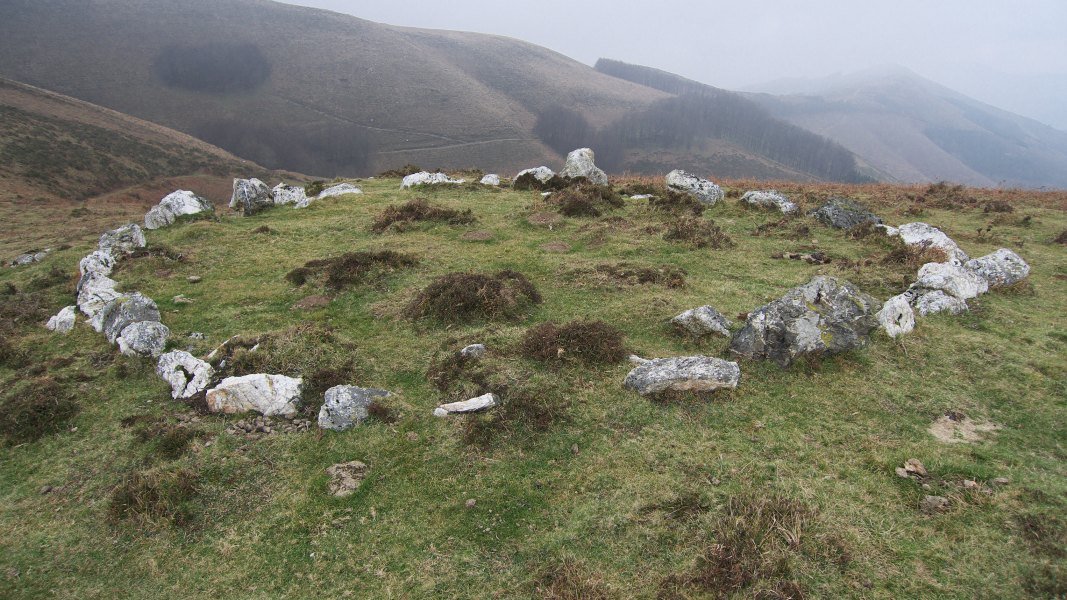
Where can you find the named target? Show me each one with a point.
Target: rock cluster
(701, 189)
(946, 287)
(771, 199)
(174, 205)
(580, 164)
(256, 427)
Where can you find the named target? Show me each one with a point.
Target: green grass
(618, 496)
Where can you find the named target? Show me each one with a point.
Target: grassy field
(783, 488)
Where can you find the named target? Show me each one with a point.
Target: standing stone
(143, 338)
(897, 317)
(682, 374)
(174, 205)
(123, 240)
(186, 374)
(702, 321)
(347, 406)
(250, 196)
(285, 194)
(701, 189)
(99, 263)
(842, 213)
(580, 164)
(269, 395)
(63, 322)
(769, 199)
(823, 315)
(467, 406)
(1000, 268)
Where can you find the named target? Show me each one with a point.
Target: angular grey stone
(683, 374)
(250, 196)
(953, 279)
(99, 263)
(427, 178)
(703, 321)
(269, 395)
(490, 179)
(843, 213)
(937, 301)
(285, 194)
(186, 374)
(701, 189)
(467, 406)
(63, 321)
(921, 234)
(174, 205)
(95, 293)
(347, 406)
(580, 163)
(823, 315)
(1000, 268)
(897, 317)
(143, 338)
(474, 351)
(542, 174)
(126, 310)
(123, 240)
(769, 199)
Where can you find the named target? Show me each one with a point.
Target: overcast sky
(1009, 53)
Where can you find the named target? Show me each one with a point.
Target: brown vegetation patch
(625, 273)
(589, 342)
(1061, 238)
(676, 203)
(545, 219)
(587, 200)
(958, 428)
(312, 303)
(477, 236)
(404, 216)
(153, 496)
(556, 247)
(35, 408)
(166, 439)
(913, 256)
(697, 232)
(402, 172)
(570, 580)
(352, 269)
(525, 410)
(465, 296)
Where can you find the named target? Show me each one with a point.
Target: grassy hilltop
(782, 488)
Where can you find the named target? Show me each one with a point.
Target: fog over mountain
(1012, 55)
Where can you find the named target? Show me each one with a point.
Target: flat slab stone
(683, 374)
(467, 406)
(269, 395)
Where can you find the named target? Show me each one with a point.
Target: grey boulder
(542, 174)
(427, 178)
(94, 294)
(285, 194)
(702, 321)
(897, 317)
(474, 351)
(682, 374)
(771, 199)
(143, 338)
(250, 196)
(333, 191)
(63, 321)
(269, 395)
(1000, 268)
(99, 263)
(174, 205)
(123, 240)
(126, 310)
(580, 163)
(347, 406)
(467, 406)
(186, 374)
(842, 213)
(937, 301)
(951, 278)
(921, 234)
(701, 189)
(490, 179)
(824, 315)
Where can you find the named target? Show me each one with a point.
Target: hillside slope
(330, 94)
(915, 130)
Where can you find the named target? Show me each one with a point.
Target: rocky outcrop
(467, 406)
(63, 321)
(842, 213)
(174, 205)
(250, 196)
(186, 374)
(144, 338)
(580, 163)
(824, 315)
(921, 234)
(701, 189)
(702, 321)
(490, 179)
(771, 199)
(28, 258)
(269, 395)
(897, 317)
(999, 269)
(542, 174)
(427, 178)
(123, 240)
(285, 194)
(683, 374)
(347, 406)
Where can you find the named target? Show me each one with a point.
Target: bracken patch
(676, 203)
(404, 216)
(589, 342)
(697, 232)
(154, 496)
(352, 269)
(459, 297)
(35, 408)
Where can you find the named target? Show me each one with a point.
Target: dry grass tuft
(457, 297)
(697, 232)
(35, 408)
(352, 269)
(589, 342)
(150, 497)
(405, 216)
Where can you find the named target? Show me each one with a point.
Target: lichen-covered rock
(542, 174)
(123, 240)
(772, 199)
(842, 213)
(953, 279)
(824, 315)
(95, 293)
(99, 263)
(467, 406)
(701, 189)
(28, 258)
(937, 301)
(490, 179)
(63, 321)
(702, 321)
(427, 178)
(347, 406)
(921, 234)
(126, 310)
(333, 191)
(143, 338)
(250, 196)
(285, 194)
(186, 374)
(897, 317)
(174, 205)
(474, 351)
(683, 374)
(269, 395)
(580, 163)
(1000, 268)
